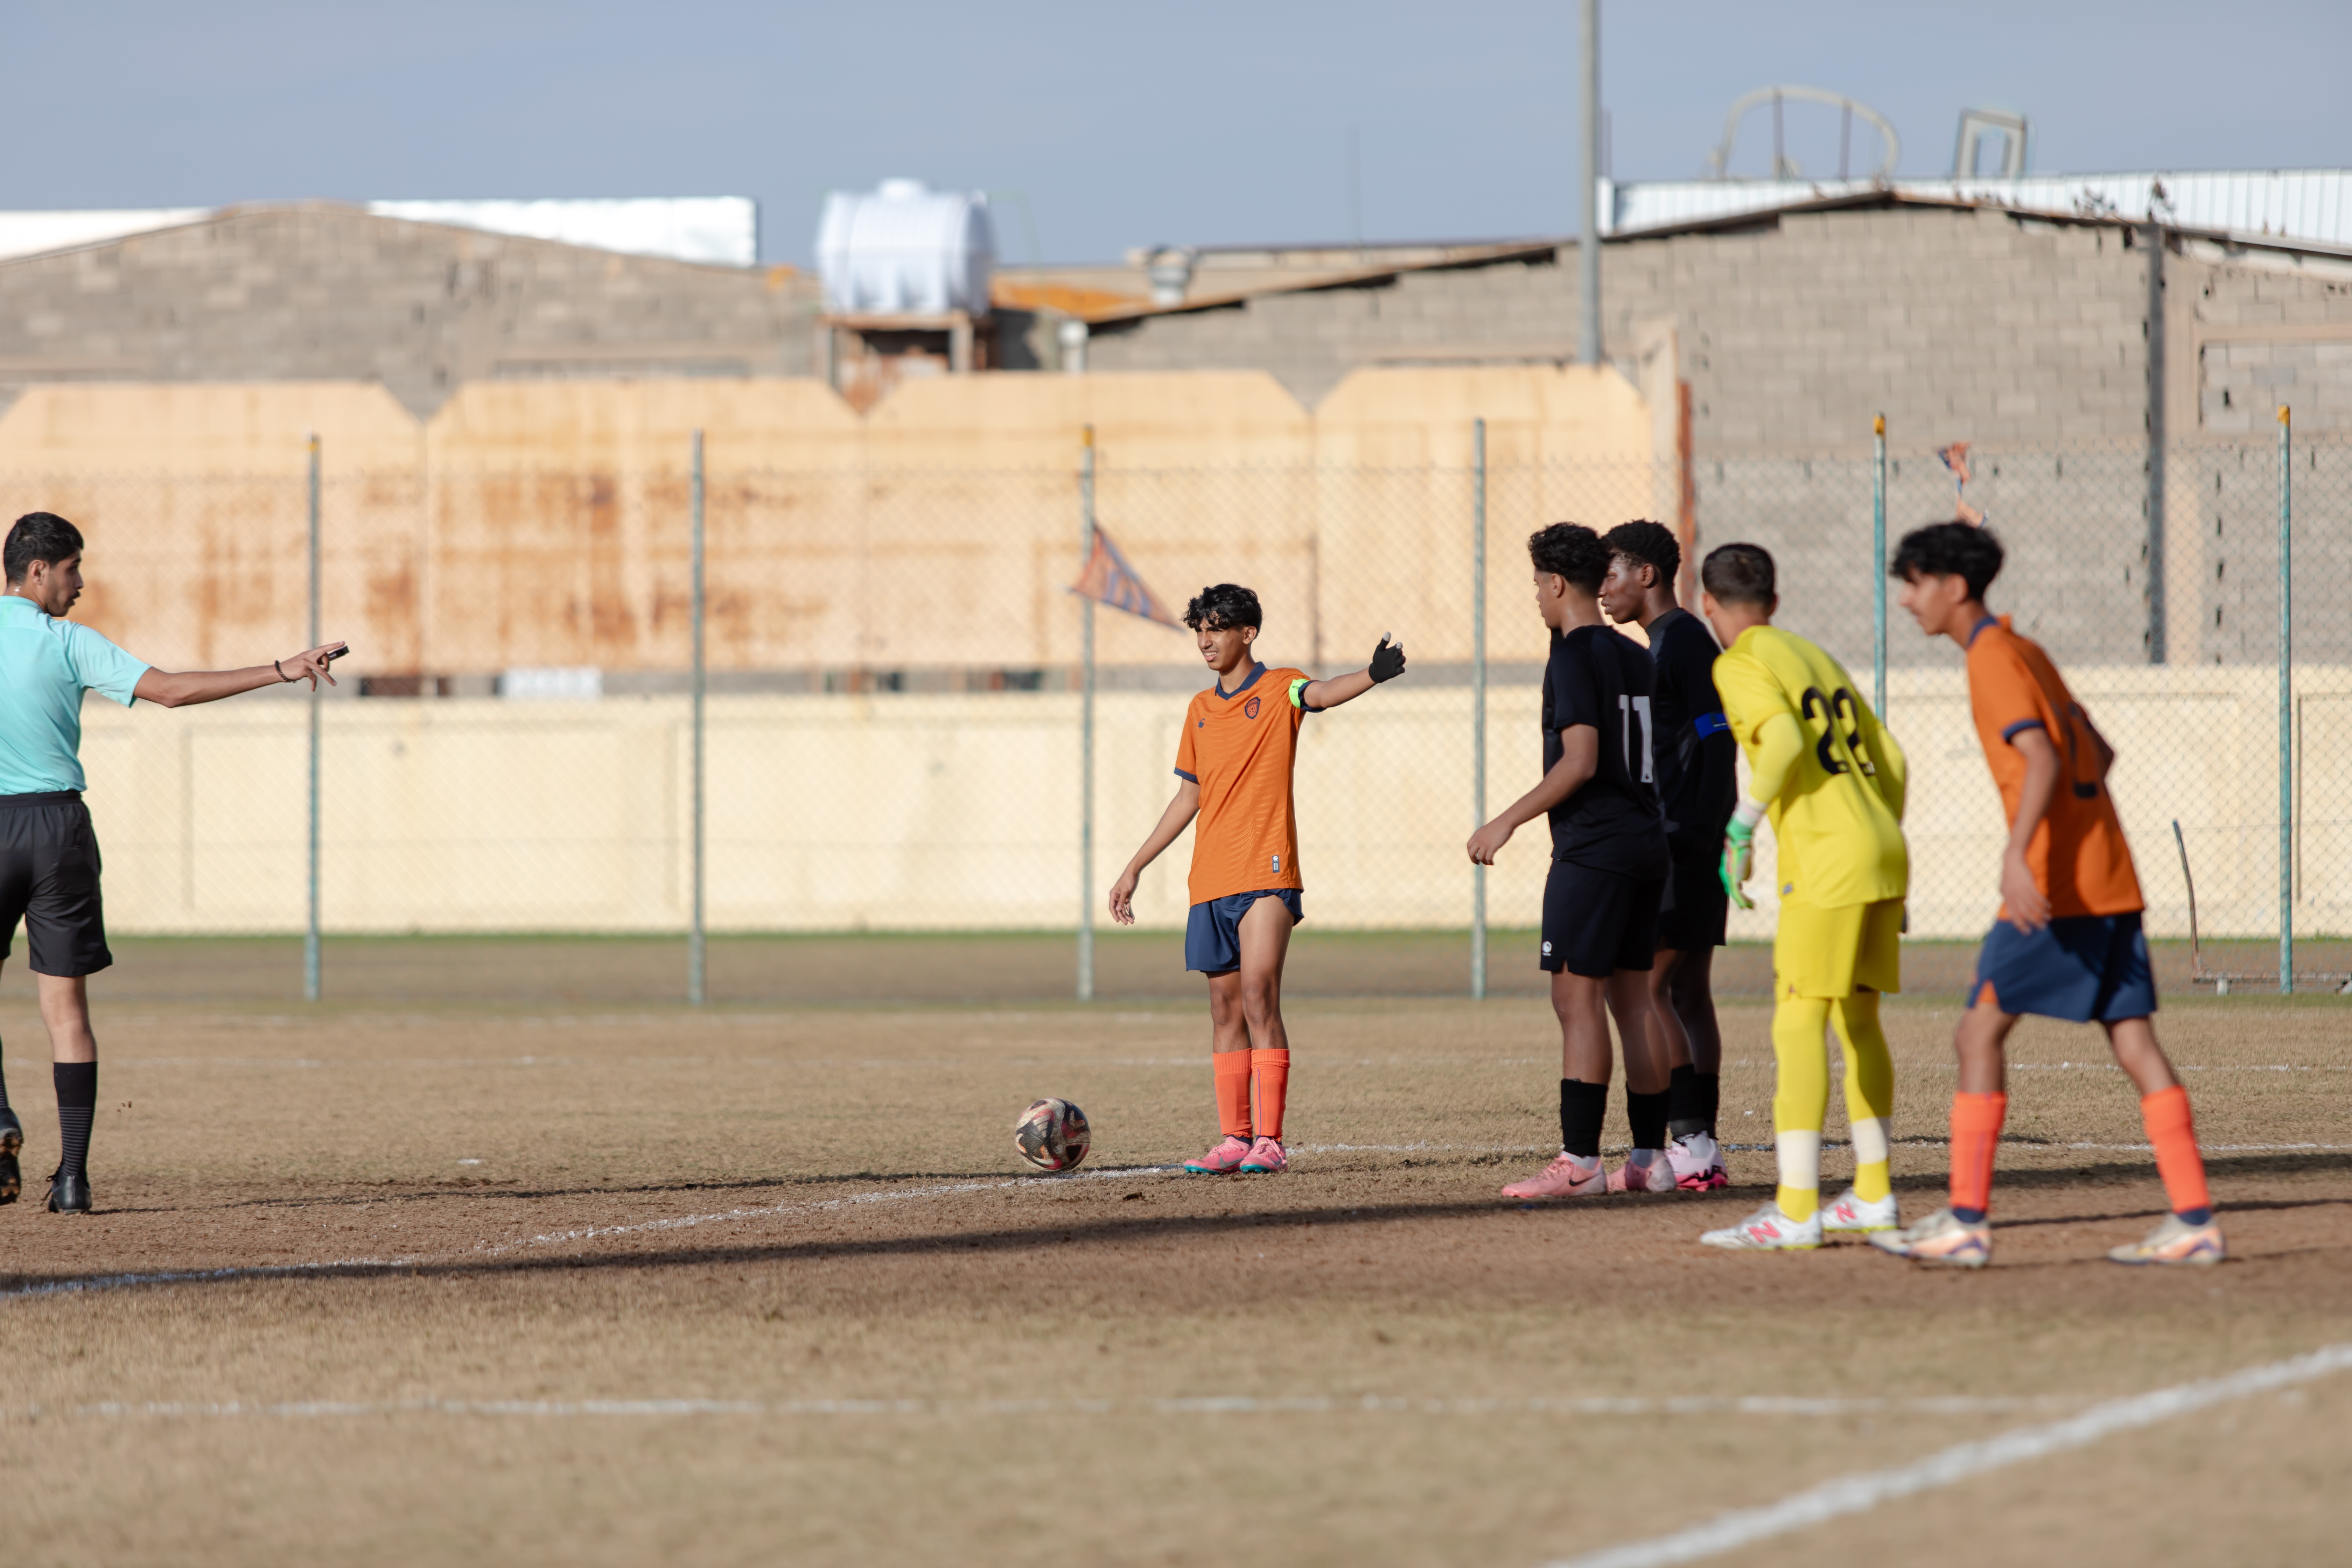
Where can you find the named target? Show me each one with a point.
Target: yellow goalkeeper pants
(1801, 1100)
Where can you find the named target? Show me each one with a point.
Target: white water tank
(906, 251)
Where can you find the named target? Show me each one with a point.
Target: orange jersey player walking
(2067, 942)
(1235, 760)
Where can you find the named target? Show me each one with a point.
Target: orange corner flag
(1109, 580)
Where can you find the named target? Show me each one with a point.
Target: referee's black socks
(77, 1104)
(1581, 1108)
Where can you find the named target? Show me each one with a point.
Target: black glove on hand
(1388, 660)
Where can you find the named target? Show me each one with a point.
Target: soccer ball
(1052, 1135)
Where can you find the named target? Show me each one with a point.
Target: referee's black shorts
(48, 879)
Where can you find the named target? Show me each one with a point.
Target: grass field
(587, 1281)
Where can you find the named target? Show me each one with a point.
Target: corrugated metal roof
(2313, 204)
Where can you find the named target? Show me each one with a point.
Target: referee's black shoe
(12, 1140)
(69, 1194)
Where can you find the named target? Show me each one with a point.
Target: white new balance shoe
(1769, 1230)
(1851, 1215)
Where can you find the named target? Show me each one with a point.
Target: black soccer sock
(1647, 1112)
(1684, 1112)
(1710, 1095)
(4, 1090)
(1583, 1107)
(77, 1104)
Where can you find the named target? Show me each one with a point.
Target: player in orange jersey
(2067, 942)
(1240, 745)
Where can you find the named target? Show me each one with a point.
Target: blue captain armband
(1298, 695)
(1710, 725)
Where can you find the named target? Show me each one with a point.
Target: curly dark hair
(1949, 549)
(1222, 605)
(1740, 575)
(1647, 544)
(1573, 552)
(41, 536)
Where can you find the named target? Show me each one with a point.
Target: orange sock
(2170, 1128)
(1234, 1092)
(1976, 1134)
(1273, 1069)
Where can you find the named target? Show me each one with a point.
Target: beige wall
(959, 812)
(546, 523)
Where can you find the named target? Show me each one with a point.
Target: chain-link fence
(893, 724)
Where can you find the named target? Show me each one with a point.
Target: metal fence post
(1478, 699)
(1878, 567)
(695, 955)
(1086, 726)
(310, 918)
(2287, 700)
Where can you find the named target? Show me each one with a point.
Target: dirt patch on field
(605, 1287)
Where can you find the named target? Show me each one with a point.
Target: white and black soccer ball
(1052, 1135)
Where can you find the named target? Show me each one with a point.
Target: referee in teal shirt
(48, 854)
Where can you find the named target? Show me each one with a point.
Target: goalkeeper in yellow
(1831, 781)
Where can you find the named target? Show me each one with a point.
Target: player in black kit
(1608, 874)
(1695, 756)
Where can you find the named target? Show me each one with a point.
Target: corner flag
(1109, 580)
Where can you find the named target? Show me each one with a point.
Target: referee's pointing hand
(311, 664)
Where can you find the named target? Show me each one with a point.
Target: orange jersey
(1240, 748)
(2079, 858)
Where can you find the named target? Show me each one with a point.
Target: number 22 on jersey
(1838, 743)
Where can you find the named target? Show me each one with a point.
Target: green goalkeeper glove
(1740, 851)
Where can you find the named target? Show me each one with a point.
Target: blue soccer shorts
(2082, 968)
(1212, 943)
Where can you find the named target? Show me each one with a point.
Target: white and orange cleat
(2175, 1241)
(1697, 1163)
(1652, 1175)
(1942, 1238)
(1225, 1158)
(1265, 1157)
(1769, 1230)
(1566, 1177)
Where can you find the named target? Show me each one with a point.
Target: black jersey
(1695, 750)
(1611, 823)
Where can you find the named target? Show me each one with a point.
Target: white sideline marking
(1211, 1404)
(683, 1221)
(1862, 1493)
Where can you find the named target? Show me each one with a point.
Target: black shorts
(1695, 916)
(1595, 922)
(48, 879)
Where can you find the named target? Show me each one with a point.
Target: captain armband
(1710, 725)
(1298, 695)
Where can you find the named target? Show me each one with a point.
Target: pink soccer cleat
(1225, 1158)
(1697, 1163)
(1655, 1176)
(1566, 1177)
(1265, 1158)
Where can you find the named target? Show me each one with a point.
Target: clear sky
(1120, 125)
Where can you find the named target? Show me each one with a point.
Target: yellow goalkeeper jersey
(1838, 822)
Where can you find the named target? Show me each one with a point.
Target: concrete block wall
(333, 293)
(1957, 324)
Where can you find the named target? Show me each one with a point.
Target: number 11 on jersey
(1629, 709)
